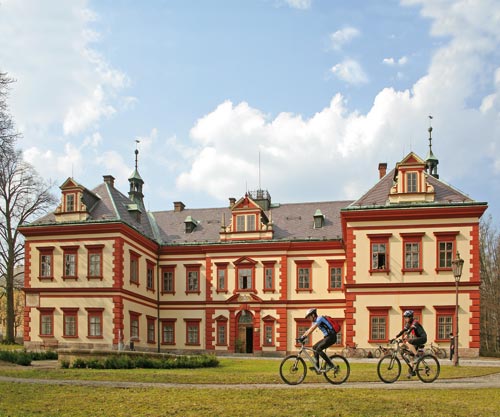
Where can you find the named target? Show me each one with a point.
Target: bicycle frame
(309, 354)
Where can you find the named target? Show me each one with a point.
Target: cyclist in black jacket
(416, 334)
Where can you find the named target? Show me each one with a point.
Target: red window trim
(302, 323)
(221, 266)
(135, 315)
(46, 311)
(70, 311)
(196, 322)
(269, 321)
(378, 311)
(65, 208)
(416, 237)
(448, 310)
(380, 238)
(95, 311)
(150, 265)
(137, 257)
(171, 322)
(94, 249)
(219, 321)
(168, 268)
(335, 264)
(304, 264)
(150, 319)
(245, 265)
(193, 268)
(448, 236)
(46, 250)
(70, 250)
(269, 265)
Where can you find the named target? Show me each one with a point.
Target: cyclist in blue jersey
(330, 336)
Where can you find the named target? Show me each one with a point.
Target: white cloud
(350, 71)
(343, 36)
(64, 83)
(339, 150)
(391, 61)
(299, 4)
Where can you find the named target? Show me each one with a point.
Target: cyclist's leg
(322, 345)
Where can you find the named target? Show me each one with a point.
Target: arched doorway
(244, 342)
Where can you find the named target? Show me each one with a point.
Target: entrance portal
(244, 344)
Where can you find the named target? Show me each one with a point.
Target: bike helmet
(408, 313)
(310, 312)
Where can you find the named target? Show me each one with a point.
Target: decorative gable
(72, 206)
(410, 182)
(248, 222)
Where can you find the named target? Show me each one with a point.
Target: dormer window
(411, 182)
(190, 224)
(319, 219)
(70, 202)
(245, 223)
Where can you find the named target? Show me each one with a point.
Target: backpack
(334, 323)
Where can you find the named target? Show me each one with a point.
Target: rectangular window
(304, 275)
(94, 261)
(335, 278)
(70, 202)
(412, 255)
(134, 325)
(150, 276)
(240, 223)
(70, 322)
(411, 182)
(269, 278)
(244, 279)
(445, 254)
(94, 316)
(445, 248)
(251, 222)
(47, 322)
(445, 321)
(134, 268)
(379, 319)
(46, 261)
(221, 277)
(70, 261)
(221, 333)
(168, 332)
(193, 279)
(168, 280)
(151, 329)
(246, 223)
(192, 332)
(379, 252)
(268, 332)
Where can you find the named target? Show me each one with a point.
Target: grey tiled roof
(379, 194)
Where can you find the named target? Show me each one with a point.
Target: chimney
(382, 169)
(178, 206)
(232, 200)
(109, 179)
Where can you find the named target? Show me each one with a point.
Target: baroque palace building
(101, 272)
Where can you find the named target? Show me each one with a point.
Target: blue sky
(323, 90)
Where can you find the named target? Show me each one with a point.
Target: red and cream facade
(101, 272)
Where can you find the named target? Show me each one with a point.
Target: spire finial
(136, 152)
(430, 132)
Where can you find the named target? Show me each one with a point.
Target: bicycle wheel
(389, 369)
(346, 353)
(428, 368)
(361, 353)
(293, 370)
(340, 372)
(377, 353)
(442, 354)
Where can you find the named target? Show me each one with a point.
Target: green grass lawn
(311, 399)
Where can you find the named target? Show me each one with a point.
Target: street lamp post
(457, 265)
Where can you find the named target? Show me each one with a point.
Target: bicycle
(354, 351)
(293, 368)
(437, 351)
(427, 366)
(381, 351)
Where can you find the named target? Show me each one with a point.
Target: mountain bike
(437, 351)
(354, 352)
(381, 351)
(426, 366)
(293, 368)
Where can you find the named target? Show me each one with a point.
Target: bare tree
(23, 195)
(490, 286)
